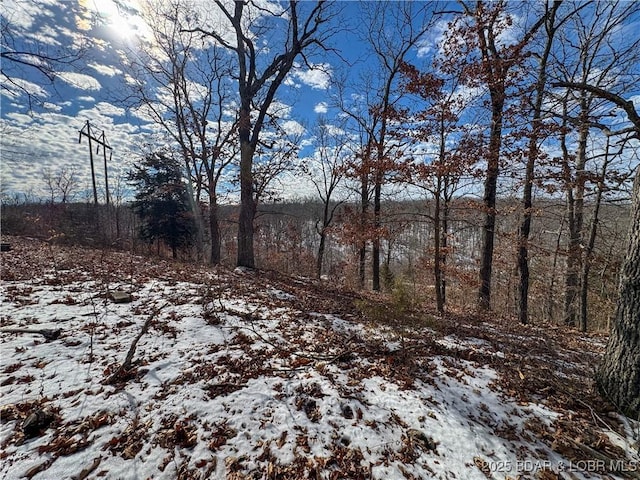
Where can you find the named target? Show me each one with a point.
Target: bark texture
(619, 375)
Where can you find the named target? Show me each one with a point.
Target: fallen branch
(87, 471)
(48, 333)
(126, 365)
(597, 418)
(41, 467)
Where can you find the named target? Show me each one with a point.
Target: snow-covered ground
(239, 376)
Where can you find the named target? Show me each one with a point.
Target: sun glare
(119, 17)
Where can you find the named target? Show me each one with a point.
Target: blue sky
(43, 136)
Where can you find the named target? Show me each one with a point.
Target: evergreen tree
(162, 201)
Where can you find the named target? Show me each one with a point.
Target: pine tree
(162, 202)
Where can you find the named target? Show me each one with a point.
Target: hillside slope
(239, 374)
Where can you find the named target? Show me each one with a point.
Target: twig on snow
(126, 365)
(48, 333)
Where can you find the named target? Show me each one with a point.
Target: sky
(40, 133)
(43, 135)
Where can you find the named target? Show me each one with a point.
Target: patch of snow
(250, 391)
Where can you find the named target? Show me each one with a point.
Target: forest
(469, 128)
(288, 241)
(465, 160)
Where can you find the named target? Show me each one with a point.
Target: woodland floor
(250, 374)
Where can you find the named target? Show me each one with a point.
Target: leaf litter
(211, 373)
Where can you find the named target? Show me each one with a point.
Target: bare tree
(274, 156)
(618, 376)
(61, 184)
(361, 128)
(599, 56)
(326, 169)
(183, 84)
(603, 184)
(293, 29)
(373, 104)
(391, 34)
(490, 63)
(533, 149)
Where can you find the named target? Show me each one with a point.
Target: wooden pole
(101, 141)
(104, 153)
(93, 171)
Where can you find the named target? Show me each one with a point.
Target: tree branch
(626, 105)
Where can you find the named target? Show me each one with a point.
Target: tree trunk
(320, 257)
(570, 277)
(588, 250)
(575, 211)
(527, 196)
(375, 251)
(247, 206)
(489, 200)
(327, 217)
(196, 211)
(586, 268)
(571, 273)
(444, 245)
(527, 206)
(618, 377)
(437, 252)
(214, 227)
(364, 205)
(550, 302)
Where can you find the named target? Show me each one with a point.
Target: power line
(101, 141)
(15, 152)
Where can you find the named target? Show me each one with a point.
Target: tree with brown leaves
(476, 45)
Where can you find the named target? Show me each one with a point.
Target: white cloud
(105, 69)
(18, 87)
(52, 106)
(293, 128)
(102, 114)
(465, 94)
(197, 91)
(80, 80)
(19, 13)
(280, 109)
(321, 107)
(132, 80)
(46, 36)
(432, 39)
(19, 119)
(335, 131)
(110, 110)
(317, 77)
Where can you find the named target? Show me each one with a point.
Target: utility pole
(105, 145)
(101, 141)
